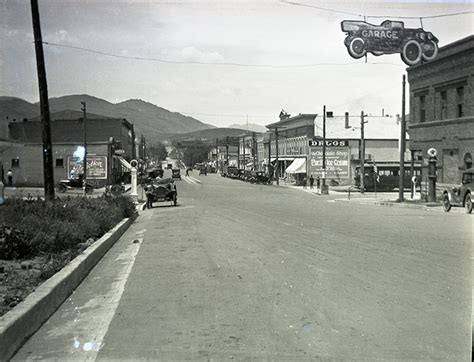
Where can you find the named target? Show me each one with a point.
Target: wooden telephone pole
(48, 170)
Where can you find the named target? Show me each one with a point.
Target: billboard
(337, 162)
(96, 167)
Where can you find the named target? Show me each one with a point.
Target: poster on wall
(337, 162)
(96, 167)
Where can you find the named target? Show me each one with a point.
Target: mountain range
(154, 122)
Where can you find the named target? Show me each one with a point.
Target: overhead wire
(161, 60)
(375, 16)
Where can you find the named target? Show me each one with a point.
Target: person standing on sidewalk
(318, 184)
(305, 181)
(311, 181)
(10, 177)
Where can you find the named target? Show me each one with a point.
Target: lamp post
(84, 177)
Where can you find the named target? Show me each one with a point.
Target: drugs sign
(329, 143)
(337, 162)
(389, 37)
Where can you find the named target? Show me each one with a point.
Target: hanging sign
(414, 45)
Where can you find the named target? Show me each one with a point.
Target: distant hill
(252, 127)
(148, 119)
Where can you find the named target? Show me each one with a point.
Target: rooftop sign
(329, 143)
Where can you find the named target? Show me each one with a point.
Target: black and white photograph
(236, 180)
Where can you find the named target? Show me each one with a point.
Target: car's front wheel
(446, 203)
(468, 203)
(430, 50)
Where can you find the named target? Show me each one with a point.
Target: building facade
(442, 110)
(108, 145)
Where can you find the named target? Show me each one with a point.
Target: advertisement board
(337, 162)
(96, 167)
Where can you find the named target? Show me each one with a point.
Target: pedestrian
(187, 171)
(305, 181)
(149, 196)
(10, 177)
(311, 181)
(318, 183)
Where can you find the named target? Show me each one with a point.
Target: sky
(256, 50)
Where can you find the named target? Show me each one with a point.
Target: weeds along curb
(26, 318)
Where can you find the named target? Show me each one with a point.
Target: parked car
(387, 38)
(161, 190)
(74, 183)
(460, 195)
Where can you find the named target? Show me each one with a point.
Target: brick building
(442, 110)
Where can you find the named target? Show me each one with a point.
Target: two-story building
(442, 110)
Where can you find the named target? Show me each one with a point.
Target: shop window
(422, 108)
(15, 162)
(59, 162)
(444, 105)
(460, 101)
(467, 160)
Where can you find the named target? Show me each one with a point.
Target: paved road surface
(240, 271)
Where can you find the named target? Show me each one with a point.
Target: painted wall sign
(337, 162)
(96, 167)
(329, 143)
(389, 37)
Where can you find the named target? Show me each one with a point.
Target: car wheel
(62, 188)
(468, 203)
(430, 50)
(446, 204)
(89, 189)
(411, 52)
(357, 48)
(116, 190)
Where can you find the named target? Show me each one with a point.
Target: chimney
(346, 118)
(329, 114)
(284, 115)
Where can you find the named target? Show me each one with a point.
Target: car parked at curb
(460, 195)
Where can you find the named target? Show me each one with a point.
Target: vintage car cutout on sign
(389, 37)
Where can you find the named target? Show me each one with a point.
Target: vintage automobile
(176, 173)
(387, 38)
(203, 170)
(74, 183)
(161, 191)
(460, 195)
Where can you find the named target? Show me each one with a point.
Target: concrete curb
(26, 318)
(387, 203)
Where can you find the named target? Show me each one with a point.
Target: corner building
(442, 110)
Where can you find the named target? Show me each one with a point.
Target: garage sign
(414, 45)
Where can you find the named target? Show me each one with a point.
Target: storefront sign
(329, 143)
(337, 162)
(293, 151)
(96, 167)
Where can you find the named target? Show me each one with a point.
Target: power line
(210, 63)
(376, 16)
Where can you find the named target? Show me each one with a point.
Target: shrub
(13, 244)
(42, 226)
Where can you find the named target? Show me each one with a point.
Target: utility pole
(217, 154)
(238, 153)
(254, 149)
(48, 171)
(227, 150)
(84, 128)
(277, 168)
(269, 154)
(362, 152)
(323, 181)
(401, 176)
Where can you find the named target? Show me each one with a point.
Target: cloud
(60, 36)
(192, 54)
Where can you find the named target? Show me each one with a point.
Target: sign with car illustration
(96, 167)
(414, 45)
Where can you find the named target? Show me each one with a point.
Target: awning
(273, 159)
(297, 166)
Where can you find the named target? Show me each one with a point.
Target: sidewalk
(371, 198)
